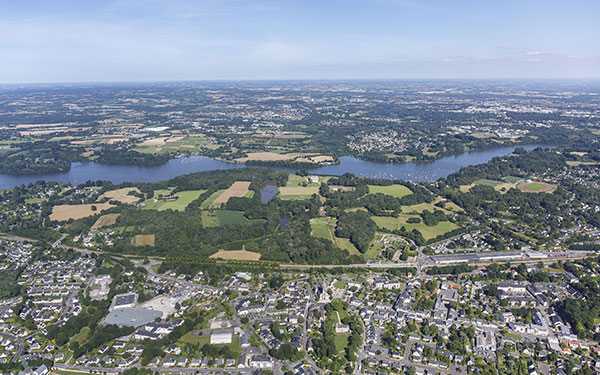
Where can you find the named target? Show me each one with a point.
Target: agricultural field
(210, 201)
(121, 195)
(105, 221)
(166, 203)
(65, 212)
(238, 189)
(297, 192)
(222, 217)
(396, 190)
(143, 240)
(536, 187)
(235, 255)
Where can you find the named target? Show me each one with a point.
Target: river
(417, 172)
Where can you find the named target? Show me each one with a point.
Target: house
(260, 362)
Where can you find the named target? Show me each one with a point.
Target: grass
(428, 232)
(340, 284)
(341, 342)
(190, 338)
(143, 240)
(210, 201)
(299, 181)
(345, 244)
(295, 197)
(81, 336)
(185, 198)
(396, 190)
(536, 187)
(222, 217)
(324, 227)
(486, 182)
(375, 247)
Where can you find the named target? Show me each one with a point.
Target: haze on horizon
(163, 40)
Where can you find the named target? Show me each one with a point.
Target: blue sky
(140, 40)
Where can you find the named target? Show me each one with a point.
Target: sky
(172, 40)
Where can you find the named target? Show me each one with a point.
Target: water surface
(417, 172)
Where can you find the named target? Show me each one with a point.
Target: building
(124, 300)
(221, 336)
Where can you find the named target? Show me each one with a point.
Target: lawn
(341, 342)
(184, 198)
(396, 190)
(486, 182)
(375, 247)
(190, 338)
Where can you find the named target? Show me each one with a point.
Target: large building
(221, 336)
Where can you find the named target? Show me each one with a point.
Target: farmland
(177, 201)
(121, 195)
(236, 255)
(238, 189)
(77, 211)
(395, 190)
(105, 221)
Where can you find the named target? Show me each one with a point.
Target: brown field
(236, 255)
(174, 139)
(237, 189)
(77, 211)
(578, 153)
(121, 195)
(143, 240)
(298, 190)
(112, 141)
(154, 142)
(105, 221)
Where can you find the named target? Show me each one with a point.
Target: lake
(417, 172)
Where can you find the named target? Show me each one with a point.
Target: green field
(222, 217)
(185, 198)
(208, 202)
(295, 180)
(428, 232)
(341, 342)
(486, 182)
(397, 191)
(324, 227)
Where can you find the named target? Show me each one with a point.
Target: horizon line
(308, 80)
